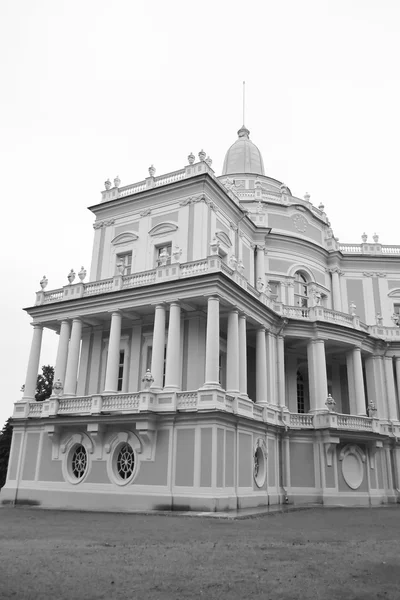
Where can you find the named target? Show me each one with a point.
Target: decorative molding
(163, 228)
(124, 238)
(233, 226)
(352, 449)
(300, 223)
(373, 274)
(373, 449)
(223, 237)
(77, 438)
(146, 212)
(394, 293)
(99, 224)
(186, 201)
(330, 444)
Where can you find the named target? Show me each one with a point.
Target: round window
(125, 462)
(260, 466)
(79, 461)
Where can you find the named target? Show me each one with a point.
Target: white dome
(243, 156)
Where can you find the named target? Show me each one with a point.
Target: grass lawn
(344, 554)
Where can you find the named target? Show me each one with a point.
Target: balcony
(196, 401)
(212, 264)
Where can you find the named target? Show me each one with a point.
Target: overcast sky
(97, 88)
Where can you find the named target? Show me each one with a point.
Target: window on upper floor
(300, 393)
(121, 370)
(163, 254)
(300, 290)
(124, 263)
(396, 309)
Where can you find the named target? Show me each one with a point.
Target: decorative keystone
(43, 282)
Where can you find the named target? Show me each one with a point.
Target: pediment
(163, 228)
(223, 237)
(124, 238)
(394, 293)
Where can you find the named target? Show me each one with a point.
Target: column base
(211, 385)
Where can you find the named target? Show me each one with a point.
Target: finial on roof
(152, 171)
(191, 158)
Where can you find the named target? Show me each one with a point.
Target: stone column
(33, 364)
(397, 367)
(114, 344)
(375, 384)
(280, 363)
(173, 366)
(62, 352)
(232, 356)
(261, 366)
(272, 393)
(157, 355)
(390, 388)
(359, 391)
(318, 383)
(336, 296)
(71, 373)
(350, 384)
(242, 355)
(212, 343)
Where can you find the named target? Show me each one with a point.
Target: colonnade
(269, 364)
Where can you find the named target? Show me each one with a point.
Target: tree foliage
(44, 384)
(5, 444)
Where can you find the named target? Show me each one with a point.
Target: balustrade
(186, 400)
(74, 405)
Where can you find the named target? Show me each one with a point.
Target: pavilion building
(226, 352)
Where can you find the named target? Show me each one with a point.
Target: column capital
(37, 325)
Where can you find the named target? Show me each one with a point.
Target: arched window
(300, 393)
(300, 290)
